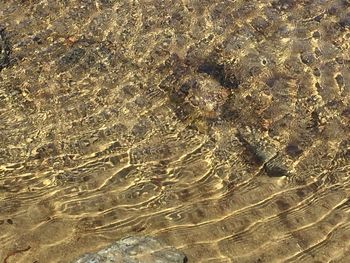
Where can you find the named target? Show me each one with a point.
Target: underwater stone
(4, 49)
(293, 150)
(276, 168)
(345, 21)
(135, 250)
(219, 73)
(261, 151)
(283, 4)
(73, 56)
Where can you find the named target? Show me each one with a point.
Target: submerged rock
(135, 250)
(276, 168)
(219, 73)
(259, 148)
(4, 49)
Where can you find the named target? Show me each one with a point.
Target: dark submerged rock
(293, 150)
(73, 56)
(283, 5)
(135, 250)
(219, 73)
(345, 21)
(276, 168)
(4, 49)
(259, 150)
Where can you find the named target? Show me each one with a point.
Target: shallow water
(221, 127)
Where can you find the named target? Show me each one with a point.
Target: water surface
(220, 127)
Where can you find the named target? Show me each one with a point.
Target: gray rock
(261, 150)
(135, 250)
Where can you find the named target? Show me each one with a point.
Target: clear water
(221, 127)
